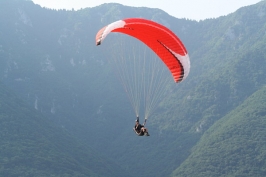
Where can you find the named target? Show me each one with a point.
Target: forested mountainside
(31, 145)
(48, 58)
(234, 145)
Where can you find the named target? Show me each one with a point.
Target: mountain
(234, 145)
(32, 146)
(50, 61)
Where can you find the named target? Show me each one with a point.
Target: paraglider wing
(158, 38)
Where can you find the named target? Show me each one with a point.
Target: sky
(189, 9)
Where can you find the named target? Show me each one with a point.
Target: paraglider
(164, 43)
(140, 129)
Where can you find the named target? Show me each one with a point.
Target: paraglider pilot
(139, 129)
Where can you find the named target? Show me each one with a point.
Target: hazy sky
(191, 9)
